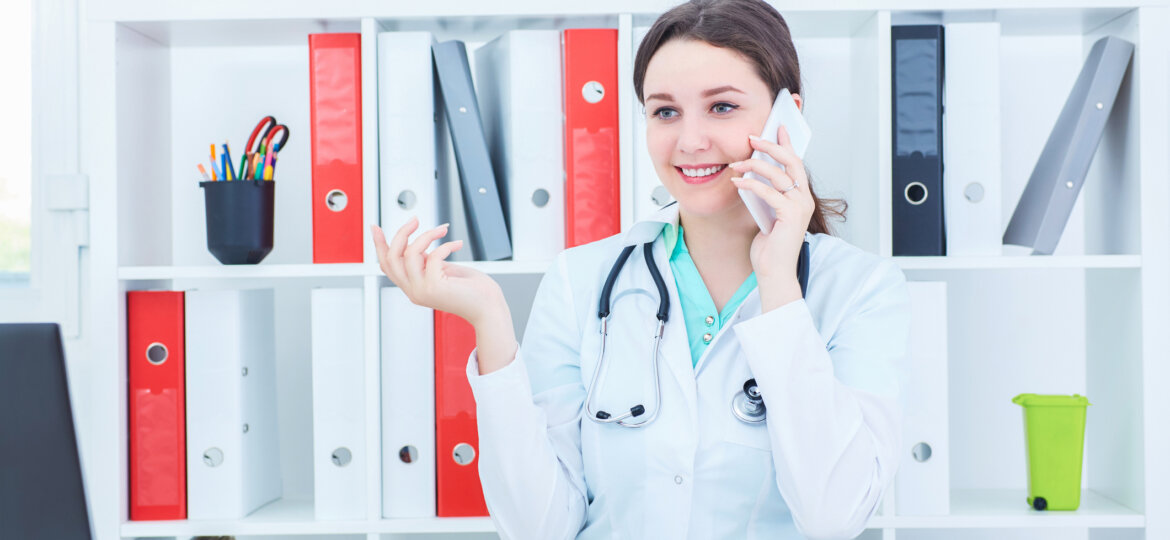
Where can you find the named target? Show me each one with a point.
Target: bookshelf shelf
(970, 509)
(1020, 263)
(277, 271)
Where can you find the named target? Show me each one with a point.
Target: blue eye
(724, 108)
(665, 113)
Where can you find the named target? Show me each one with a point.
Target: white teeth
(702, 172)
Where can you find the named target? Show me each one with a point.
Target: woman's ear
(799, 103)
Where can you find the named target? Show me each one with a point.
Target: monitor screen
(41, 491)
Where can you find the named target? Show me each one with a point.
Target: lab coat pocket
(744, 434)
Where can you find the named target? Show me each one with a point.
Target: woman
(707, 72)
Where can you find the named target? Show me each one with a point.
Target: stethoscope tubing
(601, 369)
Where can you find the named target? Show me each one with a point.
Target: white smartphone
(784, 113)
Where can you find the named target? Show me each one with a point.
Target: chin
(711, 203)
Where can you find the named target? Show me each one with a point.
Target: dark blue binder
(917, 143)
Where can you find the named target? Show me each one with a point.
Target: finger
(413, 256)
(783, 154)
(380, 246)
(435, 258)
(381, 249)
(783, 139)
(778, 177)
(768, 193)
(393, 261)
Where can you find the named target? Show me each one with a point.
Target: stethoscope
(748, 405)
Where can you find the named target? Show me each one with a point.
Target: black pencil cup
(239, 219)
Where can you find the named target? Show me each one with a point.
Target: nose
(693, 137)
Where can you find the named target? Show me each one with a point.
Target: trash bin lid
(1051, 400)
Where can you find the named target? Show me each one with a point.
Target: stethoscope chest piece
(748, 405)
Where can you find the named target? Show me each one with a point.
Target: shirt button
(710, 320)
(678, 480)
(707, 338)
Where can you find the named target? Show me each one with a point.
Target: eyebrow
(706, 93)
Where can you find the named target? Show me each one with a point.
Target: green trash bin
(1054, 428)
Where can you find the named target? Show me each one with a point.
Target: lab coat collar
(648, 229)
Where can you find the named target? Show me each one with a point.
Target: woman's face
(702, 102)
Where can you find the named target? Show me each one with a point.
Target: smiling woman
(15, 143)
(761, 58)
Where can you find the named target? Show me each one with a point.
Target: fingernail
(734, 165)
(753, 137)
(444, 225)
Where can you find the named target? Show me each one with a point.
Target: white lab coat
(825, 365)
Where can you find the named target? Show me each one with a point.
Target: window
(15, 143)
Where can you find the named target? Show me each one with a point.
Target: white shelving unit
(162, 79)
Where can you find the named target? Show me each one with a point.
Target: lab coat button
(678, 480)
(707, 338)
(709, 320)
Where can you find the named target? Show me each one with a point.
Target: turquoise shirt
(702, 321)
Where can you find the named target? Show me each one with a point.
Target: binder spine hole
(973, 192)
(921, 452)
(336, 200)
(464, 454)
(916, 193)
(408, 454)
(341, 456)
(407, 199)
(213, 457)
(157, 353)
(540, 198)
(593, 92)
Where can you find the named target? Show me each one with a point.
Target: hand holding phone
(784, 113)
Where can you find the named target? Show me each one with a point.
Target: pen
(227, 161)
(203, 172)
(268, 166)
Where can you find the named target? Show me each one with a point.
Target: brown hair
(756, 31)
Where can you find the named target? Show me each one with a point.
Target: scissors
(260, 168)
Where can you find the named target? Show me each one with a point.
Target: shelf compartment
(1008, 508)
(281, 517)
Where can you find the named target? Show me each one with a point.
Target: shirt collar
(648, 229)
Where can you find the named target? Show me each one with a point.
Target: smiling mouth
(699, 175)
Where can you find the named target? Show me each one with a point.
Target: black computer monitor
(41, 492)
